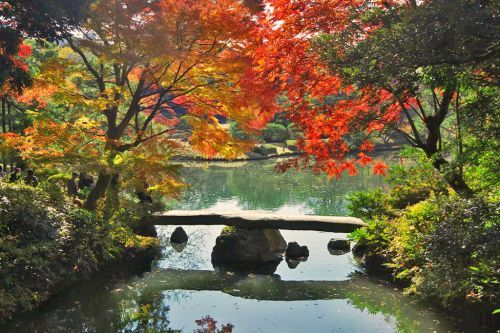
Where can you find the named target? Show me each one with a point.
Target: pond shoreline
(378, 151)
(133, 261)
(470, 315)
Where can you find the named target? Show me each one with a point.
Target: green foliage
(442, 246)
(375, 238)
(228, 231)
(410, 230)
(274, 133)
(368, 205)
(293, 132)
(44, 247)
(415, 180)
(55, 187)
(238, 133)
(463, 253)
(266, 149)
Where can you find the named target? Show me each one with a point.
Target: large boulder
(251, 250)
(179, 236)
(294, 250)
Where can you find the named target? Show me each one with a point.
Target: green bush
(463, 254)
(375, 238)
(443, 248)
(274, 133)
(55, 187)
(293, 131)
(266, 149)
(406, 252)
(415, 180)
(368, 205)
(238, 133)
(44, 247)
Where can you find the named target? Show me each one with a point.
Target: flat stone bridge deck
(257, 220)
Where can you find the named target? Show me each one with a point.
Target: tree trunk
(98, 191)
(454, 178)
(9, 117)
(4, 118)
(432, 149)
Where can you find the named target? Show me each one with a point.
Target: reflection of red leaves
(209, 325)
(380, 168)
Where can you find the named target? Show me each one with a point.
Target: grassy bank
(47, 245)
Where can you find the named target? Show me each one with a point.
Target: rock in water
(337, 244)
(294, 250)
(255, 250)
(179, 236)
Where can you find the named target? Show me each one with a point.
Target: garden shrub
(406, 252)
(266, 149)
(44, 247)
(55, 187)
(368, 205)
(291, 144)
(414, 181)
(238, 133)
(441, 246)
(463, 253)
(293, 131)
(274, 133)
(375, 238)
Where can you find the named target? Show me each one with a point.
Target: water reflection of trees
(256, 185)
(143, 304)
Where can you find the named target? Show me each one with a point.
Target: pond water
(326, 293)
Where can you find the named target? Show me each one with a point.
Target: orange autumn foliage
(122, 82)
(326, 110)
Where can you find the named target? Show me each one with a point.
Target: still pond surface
(327, 293)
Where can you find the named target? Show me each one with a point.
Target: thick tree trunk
(454, 178)
(98, 191)
(432, 148)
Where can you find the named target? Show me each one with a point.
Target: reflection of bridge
(257, 220)
(260, 287)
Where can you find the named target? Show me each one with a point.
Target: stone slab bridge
(257, 220)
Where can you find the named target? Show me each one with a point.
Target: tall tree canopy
(117, 88)
(363, 67)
